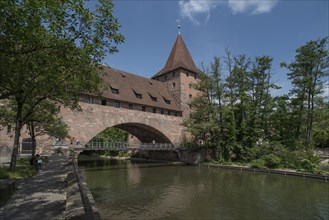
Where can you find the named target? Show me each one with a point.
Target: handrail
(89, 212)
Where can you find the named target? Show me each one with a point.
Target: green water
(135, 190)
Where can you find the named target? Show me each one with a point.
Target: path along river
(138, 190)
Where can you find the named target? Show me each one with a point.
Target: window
(190, 96)
(143, 108)
(154, 99)
(190, 106)
(173, 74)
(166, 101)
(90, 100)
(187, 74)
(130, 106)
(190, 85)
(162, 111)
(115, 91)
(169, 112)
(104, 102)
(165, 77)
(138, 95)
(194, 76)
(117, 104)
(176, 114)
(154, 110)
(173, 85)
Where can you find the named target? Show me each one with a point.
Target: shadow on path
(42, 196)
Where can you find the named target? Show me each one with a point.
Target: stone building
(149, 109)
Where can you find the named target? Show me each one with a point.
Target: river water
(138, 190)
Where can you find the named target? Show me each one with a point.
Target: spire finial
(178, 26)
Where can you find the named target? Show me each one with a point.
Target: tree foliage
(239, 114)
(52, 50)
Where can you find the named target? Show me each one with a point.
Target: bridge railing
(124, 146)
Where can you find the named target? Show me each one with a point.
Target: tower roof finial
(178, 26)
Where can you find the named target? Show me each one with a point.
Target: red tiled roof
(129, 84)
(179, 58)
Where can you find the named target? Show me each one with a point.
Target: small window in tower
(117, 104)
(190, 95)
(104, 102)
(194, 76)
(165, 77)
(169, 112)
(143, 108)
(173, 74)
(130, 106)
(187, 74)
(154, 110)
(190, 85)
(162, 111)
(173, 85)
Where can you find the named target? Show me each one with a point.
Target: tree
(111, 134)
(307, 74)
(52, 50)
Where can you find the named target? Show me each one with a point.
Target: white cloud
(253, 6)
(192, 9)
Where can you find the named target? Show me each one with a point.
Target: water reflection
(134, 190)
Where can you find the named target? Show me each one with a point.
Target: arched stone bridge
(146, 126)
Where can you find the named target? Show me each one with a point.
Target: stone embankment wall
(79, 200)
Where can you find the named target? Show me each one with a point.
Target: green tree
(52, 50)
(307, 74)
(111, 134)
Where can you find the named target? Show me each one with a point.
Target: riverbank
(42, 196)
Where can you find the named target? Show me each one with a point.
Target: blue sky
(252, 27)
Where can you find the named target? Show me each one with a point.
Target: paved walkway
(42, 196)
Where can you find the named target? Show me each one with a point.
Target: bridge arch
(146, 126)
(144, 133)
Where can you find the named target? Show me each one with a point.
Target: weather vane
(178, 26)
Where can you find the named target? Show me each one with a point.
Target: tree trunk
(34, 142)
(18, 128)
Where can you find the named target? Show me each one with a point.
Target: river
(139, 190)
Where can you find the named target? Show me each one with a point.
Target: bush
(308, 166)
(271, 161)
(258, 163)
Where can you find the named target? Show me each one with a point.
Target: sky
(252, 27)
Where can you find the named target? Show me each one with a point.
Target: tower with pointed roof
(180, 74)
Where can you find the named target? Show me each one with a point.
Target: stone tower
(180, 74)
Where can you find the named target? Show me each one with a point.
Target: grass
(23, 169)
(18, 173)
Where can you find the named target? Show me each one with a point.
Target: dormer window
(154, 99)
(166, 101)
(138, 95)
(114, 90)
